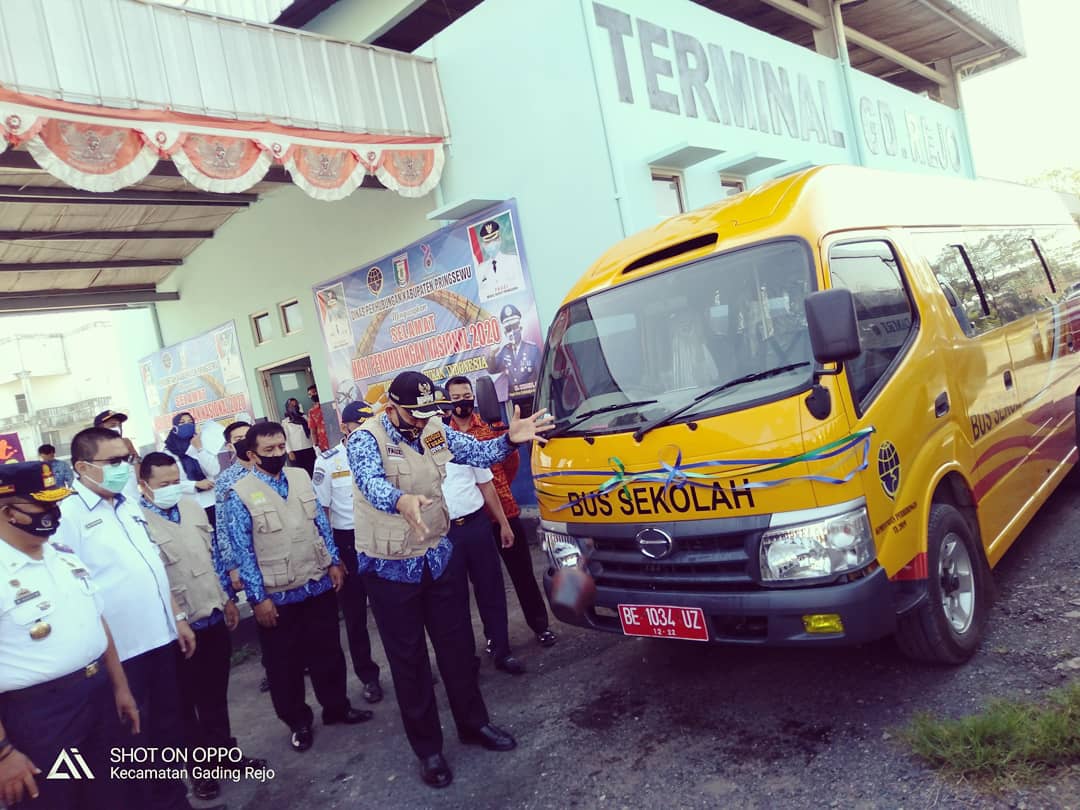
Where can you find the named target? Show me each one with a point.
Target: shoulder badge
(319, 476)
(62, 547)
(333, 451)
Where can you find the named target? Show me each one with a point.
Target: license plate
(664, 621)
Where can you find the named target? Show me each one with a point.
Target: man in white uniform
(108, 532)
(500, 272)
(61, 682)
(333, 484)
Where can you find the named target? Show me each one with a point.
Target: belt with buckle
(64, 681)
(461, 521)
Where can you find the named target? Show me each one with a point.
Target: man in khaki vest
(291, 568)
(413, 578)
(199, 581)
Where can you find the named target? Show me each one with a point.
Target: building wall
(274, 252)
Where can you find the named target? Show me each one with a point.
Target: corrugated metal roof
(129, 54)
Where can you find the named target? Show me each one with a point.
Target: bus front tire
(948, 626)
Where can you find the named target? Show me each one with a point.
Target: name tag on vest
(258, 497)
(394, 451)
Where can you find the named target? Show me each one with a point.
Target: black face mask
(315, 398)
(44, 523)
(272, 464)
(463, 408)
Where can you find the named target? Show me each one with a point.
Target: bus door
(983, 383)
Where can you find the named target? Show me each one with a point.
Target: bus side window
(882, 305)
(974, 312)
(1061, 248)
(1010, 271)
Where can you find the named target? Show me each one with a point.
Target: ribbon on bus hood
(678, 475)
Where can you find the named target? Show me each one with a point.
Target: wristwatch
(181, 616)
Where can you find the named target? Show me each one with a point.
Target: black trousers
(46, 719)
(519, 565)
(472, 542)
(204, 688)
(353, 602)
(402, 611)
(306, 635)
(152, 677)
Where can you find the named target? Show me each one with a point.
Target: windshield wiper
(573, 422)
(712, 392)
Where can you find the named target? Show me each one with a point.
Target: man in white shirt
(108, 533)
(467, 490)
(333, 484)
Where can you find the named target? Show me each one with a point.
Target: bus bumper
(867, 608)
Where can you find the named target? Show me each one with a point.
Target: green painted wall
(275, 251)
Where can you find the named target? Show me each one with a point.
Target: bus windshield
(629, 355)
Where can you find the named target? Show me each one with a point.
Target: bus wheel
(948, 626)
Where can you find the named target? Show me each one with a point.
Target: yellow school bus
(818, 412)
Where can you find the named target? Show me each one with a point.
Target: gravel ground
(605, 721)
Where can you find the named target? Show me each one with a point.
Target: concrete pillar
(824, 38)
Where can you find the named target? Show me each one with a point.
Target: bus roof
(816, 202)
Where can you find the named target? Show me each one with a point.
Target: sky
(1023, 117)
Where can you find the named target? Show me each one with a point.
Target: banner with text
(11, 451)
(458, 302)
(203, 376)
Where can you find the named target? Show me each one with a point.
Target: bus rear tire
(947, 627)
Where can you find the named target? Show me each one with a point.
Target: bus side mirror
(487, 401)
(834, 328)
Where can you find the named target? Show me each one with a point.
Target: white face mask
(168, 496)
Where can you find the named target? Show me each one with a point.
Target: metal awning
(98, 93)
(131, 131)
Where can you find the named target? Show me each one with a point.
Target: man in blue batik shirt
(234, 437)
(412, 576)
(290, 567)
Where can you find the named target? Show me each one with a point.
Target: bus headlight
(819, 549)
(564, 550)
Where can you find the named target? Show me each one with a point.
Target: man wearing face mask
(109, 533)
(290, 567)
(61, 682)
(334, 488)
(514, 550)
(234, 438)
(413, 577)
(198, 466)
(519, 359)
(201, 587)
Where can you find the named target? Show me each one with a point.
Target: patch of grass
(1010, 741)
(241, 654)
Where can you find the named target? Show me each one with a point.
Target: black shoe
(264, 685)
(435, 771)
(546, 638)
(302, 738)
(490, 648)
(373, 692)
(510, 665)
(205, 789)
(491, 737)
(350, 718)
(255, 763)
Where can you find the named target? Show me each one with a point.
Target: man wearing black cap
(61, 681)
(519, 359)
(334, 488)
(413, 578)
(114, 421)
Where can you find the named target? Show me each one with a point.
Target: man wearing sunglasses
(108, 532)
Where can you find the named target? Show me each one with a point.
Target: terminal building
(327, 189)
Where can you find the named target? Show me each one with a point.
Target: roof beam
(99, 236)
(105, 264)
(879, 48)
(63, 195)
(92, 298)
(799, 12)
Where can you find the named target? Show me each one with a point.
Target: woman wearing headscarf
(298, 437)
(197, 465)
